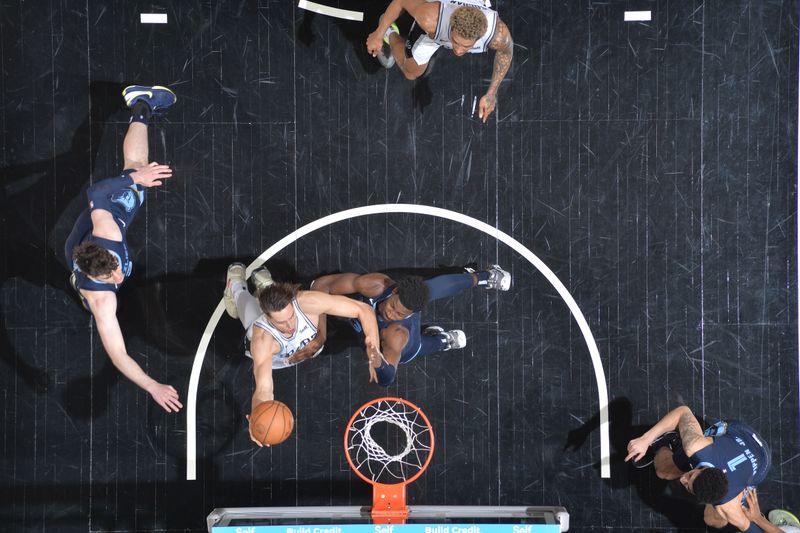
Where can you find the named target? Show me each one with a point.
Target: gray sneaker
(262, 279)
(236, 272)
(385, 57)
(455, 338)
(782, 517)
(499, 279)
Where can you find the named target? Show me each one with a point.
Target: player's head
(97, 262)
(708, 485)
(467, 25)
(275, 301)
(411, 294)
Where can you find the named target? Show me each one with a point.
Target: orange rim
(388, 399)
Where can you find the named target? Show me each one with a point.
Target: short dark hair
(93, 259)
(413, 293)
(277, 296)
(710, 485)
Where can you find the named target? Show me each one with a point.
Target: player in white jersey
(281, 324)
(464, 26)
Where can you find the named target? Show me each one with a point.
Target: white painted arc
(602, 393)
(330, 11)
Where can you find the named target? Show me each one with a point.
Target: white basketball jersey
(304, 332)
(446, 8)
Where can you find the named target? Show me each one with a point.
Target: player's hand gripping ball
(271, 422)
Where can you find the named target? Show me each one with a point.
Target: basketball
(272, 422)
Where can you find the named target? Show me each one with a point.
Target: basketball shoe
(499, 279)
(454, 338)
(236, 273)
(262, 279)
(782, 517)
(156, 97)
(385, 57)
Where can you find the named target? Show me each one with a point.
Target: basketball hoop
(389, 471)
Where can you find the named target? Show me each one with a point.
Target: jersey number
(736, 461)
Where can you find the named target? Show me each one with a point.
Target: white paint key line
(153, 18)
(330, 11)
(634, 16)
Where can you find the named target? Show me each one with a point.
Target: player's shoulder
(262, 343)
(312, 302)
(425, 13)
(101, 302)
(502, 39)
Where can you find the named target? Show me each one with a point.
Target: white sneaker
(499, 279)
(262, 279)
(781, 517)
(455, 338)
(236, 272)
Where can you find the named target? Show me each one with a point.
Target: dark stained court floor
(652, 166)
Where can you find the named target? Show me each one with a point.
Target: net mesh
(412, 439)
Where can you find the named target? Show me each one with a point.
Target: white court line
(599, 374)
(633, 16)
(797, 216)
(153, 18)
(330, 11)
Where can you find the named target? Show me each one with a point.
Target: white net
(389, 441)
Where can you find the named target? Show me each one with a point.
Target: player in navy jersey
(719, 466)
(463, 26)
(97, 250)
(398, 307)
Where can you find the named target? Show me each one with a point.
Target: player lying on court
(719, 467)
(398, 306)
(281, 325)
(97, 249)
(463, 26)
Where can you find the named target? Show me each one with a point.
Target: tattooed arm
(680, 418)
(503, 45)
(691, 433)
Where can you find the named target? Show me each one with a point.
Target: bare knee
(665, 466)
(665, 474)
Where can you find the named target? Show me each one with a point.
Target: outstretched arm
(503, 45)
(369, 285)
(318, 303)
(262, 347)
(104, 308)
(680, 418)
(752, 512)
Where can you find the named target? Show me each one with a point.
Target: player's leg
(239, 303)
(143, 101)
(451, 284)
(435, 339)
(412, 54)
